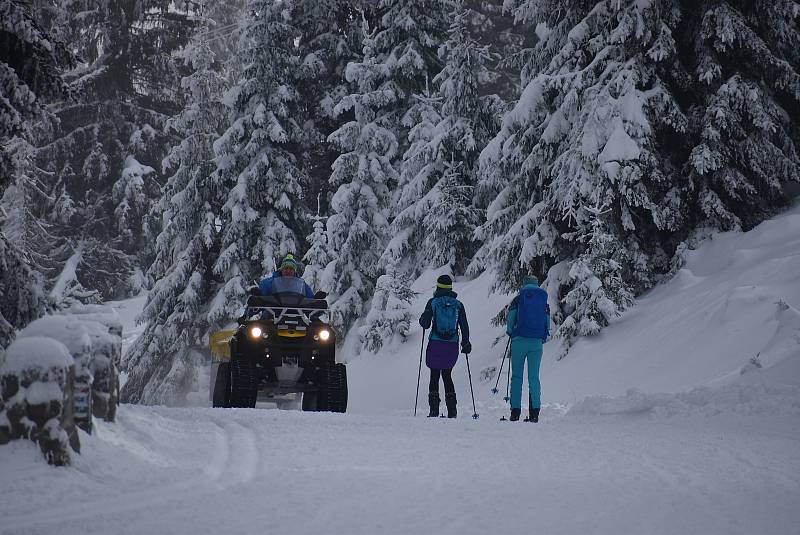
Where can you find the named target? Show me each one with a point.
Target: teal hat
(532, 279)
(289, 262)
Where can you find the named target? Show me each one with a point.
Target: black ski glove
(466, 347)
(254, 290)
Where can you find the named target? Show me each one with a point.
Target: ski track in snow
(161, 470)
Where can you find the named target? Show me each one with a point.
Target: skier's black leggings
(448, 381)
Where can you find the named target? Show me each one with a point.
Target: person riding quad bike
(284, 348)
(284, 280)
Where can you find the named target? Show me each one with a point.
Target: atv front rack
(288, 309)
(300, 317)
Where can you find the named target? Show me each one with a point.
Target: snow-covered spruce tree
(363, 174)
(743, 59)
(129, 194)
(411, 198)
(407, 43)
(125, 88)
(262, 217)
(329, 37)
(23, 213)
(160, 364)
(318, 256)
(411, 36)
(22, 297)
(31, 66)
(507, 42)
(389, 316)
(583, 135)
(597, 288)
(449, 227)
(437, 220)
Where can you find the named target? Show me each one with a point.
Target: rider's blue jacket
(277, 283)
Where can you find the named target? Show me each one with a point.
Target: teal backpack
(445, 316)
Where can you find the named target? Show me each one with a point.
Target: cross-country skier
(528, 325)
(447, 315)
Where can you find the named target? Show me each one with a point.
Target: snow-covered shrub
(390, 312)
(318, 256)
(35, 375)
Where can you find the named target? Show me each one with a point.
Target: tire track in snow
(233, 460)
(241, 458)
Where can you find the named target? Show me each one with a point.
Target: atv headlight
(255, 332)
(324, 334)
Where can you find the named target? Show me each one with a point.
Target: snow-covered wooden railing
(36, 400)
(59, 373)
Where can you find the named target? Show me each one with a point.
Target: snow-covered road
(199, 470)
(708, 443)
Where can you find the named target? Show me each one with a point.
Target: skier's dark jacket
(427, 316)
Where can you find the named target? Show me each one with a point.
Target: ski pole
(469, 373)
(500, 373)
(419, 371)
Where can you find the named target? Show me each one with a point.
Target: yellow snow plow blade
(219, 344)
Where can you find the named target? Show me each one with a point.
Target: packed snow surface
(682, 417)
(198, 471)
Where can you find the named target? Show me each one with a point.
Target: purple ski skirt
(441, 355)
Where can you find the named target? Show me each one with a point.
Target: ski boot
(534, 415)
(450, 401)
(433, 401)
(515, 414)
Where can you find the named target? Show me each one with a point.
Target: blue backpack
(445, 316)
(532, 311)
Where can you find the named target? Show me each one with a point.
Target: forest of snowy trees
(181, 148)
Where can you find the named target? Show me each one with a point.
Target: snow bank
(732, 307)
(752, 398)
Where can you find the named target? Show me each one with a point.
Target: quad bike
(283, 348)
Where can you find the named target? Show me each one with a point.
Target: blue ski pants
(523, 349)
